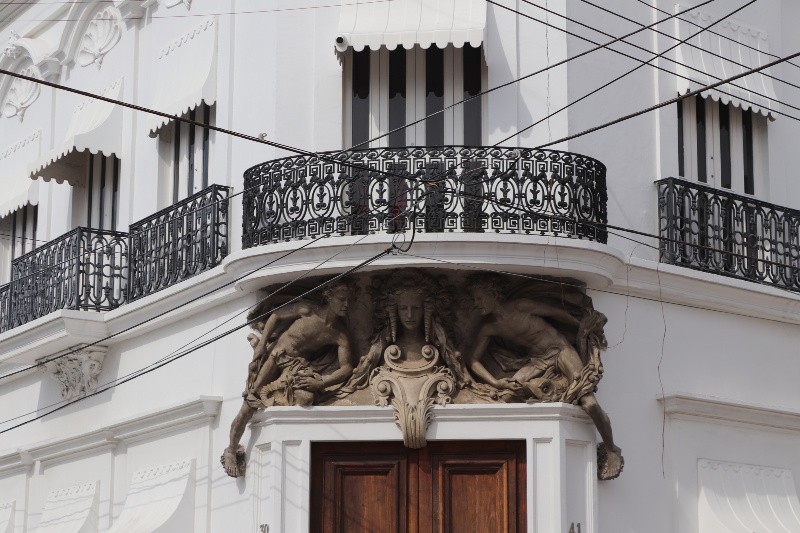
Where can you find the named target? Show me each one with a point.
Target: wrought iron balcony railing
(179, 242)
(100, 270)
(437, 189)
(717, 231)
(83, 269)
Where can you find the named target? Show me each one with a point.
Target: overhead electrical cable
(727, 38)
(690, 45)
(207, 342)
(663, 69)
(197, 338)
(526, 76)
(623, 75)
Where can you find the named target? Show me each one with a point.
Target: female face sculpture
(411, 310)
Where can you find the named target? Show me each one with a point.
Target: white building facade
(129, 238)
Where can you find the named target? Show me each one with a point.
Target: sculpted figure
(296, 348)
(407, 317)
(551, 365)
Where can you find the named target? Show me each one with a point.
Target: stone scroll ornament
(412, 390)
(522, 341)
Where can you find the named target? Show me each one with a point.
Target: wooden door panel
(359, 490)
(474, 486)
(446, 487)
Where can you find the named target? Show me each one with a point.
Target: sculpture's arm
(546, 311)
(481, 343)
(345, 369)
(288, 313)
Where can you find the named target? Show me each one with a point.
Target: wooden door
(446, 487)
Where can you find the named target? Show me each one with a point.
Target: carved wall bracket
(102, 34)
(412, 389)
(77, 372)
(21, 94)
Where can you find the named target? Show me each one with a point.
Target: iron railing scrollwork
(437, 189)
(725, 233)
(83, 269)
(99, 270)
(179, 242)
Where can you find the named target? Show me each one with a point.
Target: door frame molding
(560, 455)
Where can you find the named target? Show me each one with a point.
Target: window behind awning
(96, 126)
(406, 23)
(186, 74)
(733, 48)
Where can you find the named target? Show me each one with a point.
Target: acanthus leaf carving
(102, 34)
(77, 372)
(13, 49)
(412, 391)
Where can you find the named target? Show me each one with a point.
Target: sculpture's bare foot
(233, 461)
(609, 462)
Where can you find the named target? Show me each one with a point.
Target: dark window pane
(434, 96)
(397, 96)
(725, 145)
(680, 139)
(747, 126)
(700, 104)
(472, 87)
(360, 106)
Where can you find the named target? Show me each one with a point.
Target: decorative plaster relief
(13, 48)
(186, 38)
(21, 94)
(73, 508)
(102, 34)
(744, 498)
(77, 372)
(412, 389)
(7, 516)
(159, 497)
(10, 150)
(522, 341)
(172, 3)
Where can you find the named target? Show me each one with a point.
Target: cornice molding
(707, 408)
(181, 416)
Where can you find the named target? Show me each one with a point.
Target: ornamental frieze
(414, 338)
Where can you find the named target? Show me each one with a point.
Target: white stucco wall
(726, 345)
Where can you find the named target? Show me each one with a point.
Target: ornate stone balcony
(717, 231)
(432, 189)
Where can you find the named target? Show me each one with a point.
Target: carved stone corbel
(77, 372)
(412, 389)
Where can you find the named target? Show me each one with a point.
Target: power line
(156, 366)
(627, 73)
(663, 69)
(72, 351)
(715, 33)
(526, 76)
(185, 15)
(685, 41)
(667, 102)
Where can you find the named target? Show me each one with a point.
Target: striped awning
(408, 23)
(733, 48)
